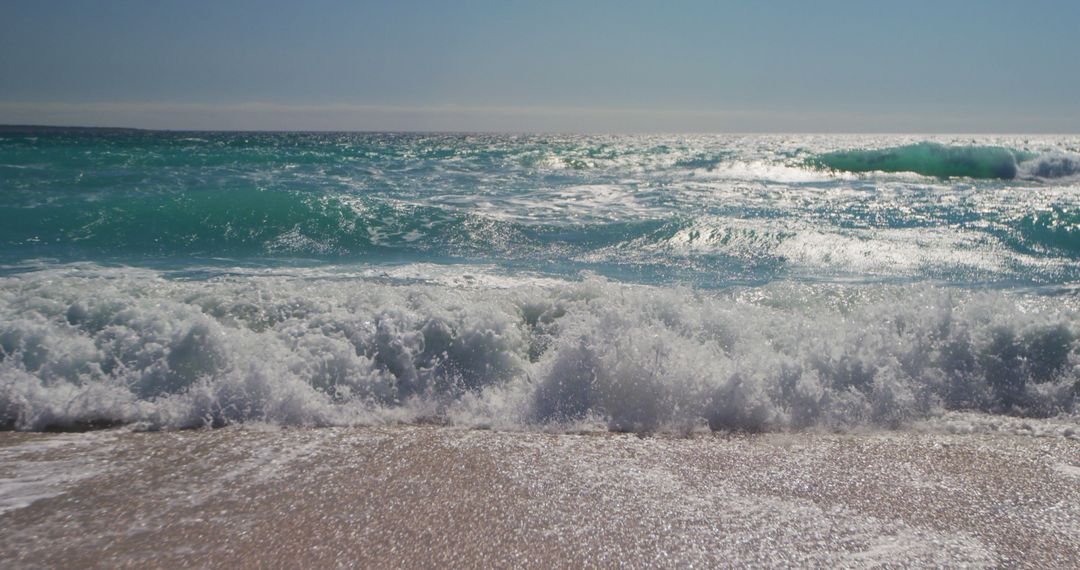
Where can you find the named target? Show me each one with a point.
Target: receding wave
(945, 161)
(83, 345)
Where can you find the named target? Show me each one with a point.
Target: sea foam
(86, 345)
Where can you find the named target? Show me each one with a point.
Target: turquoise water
(704, 211)
(768, 282)
(936, 159)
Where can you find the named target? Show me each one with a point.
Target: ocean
(631, 283)
(479, 350)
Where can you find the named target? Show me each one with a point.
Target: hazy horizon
(276, 118)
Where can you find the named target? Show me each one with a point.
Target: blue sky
(942, 66)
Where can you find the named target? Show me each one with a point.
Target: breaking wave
(83, 345)
(944, 161)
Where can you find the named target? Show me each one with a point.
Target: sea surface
(537, 282)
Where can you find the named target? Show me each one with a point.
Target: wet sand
(425, 496)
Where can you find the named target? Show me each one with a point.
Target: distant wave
(944, 161)
(82, 346)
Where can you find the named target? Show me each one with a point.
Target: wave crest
(945, 161)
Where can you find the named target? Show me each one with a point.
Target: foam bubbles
(1051, 165)
(84, 345)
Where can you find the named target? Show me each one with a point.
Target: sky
(567, 66)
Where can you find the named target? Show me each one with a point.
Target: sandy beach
(411, 496)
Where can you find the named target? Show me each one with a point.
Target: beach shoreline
(428, 495)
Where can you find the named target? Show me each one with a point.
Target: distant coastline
(64, 129)
(25, 129)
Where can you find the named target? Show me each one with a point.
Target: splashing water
(637, 283)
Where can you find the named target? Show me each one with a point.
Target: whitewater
(538, 282)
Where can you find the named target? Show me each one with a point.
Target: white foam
(303, 347)
(761, 170)
(820, 247)
(1054, 165)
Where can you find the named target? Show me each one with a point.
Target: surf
(90, 345)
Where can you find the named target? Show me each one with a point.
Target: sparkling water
(181, 279)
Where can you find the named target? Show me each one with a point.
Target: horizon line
(8, 128)
(452, 118)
